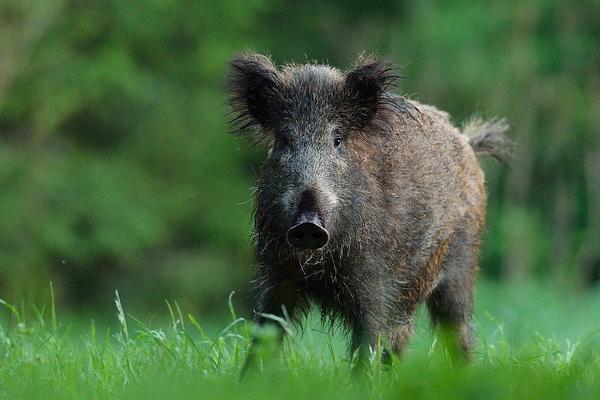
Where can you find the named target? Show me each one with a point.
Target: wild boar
(367, 204)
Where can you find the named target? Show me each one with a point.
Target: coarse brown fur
(402, 196)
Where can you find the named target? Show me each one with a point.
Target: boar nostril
(308, 233)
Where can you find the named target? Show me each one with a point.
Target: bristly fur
(488, 138)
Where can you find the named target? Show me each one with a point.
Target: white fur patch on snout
(325, 196)
(330, 197)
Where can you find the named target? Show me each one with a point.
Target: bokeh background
(117, 170)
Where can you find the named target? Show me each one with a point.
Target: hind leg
(450, 304)
(451, 315)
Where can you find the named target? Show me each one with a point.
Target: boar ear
(252, 83)
(366, 85)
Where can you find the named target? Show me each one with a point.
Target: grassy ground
(534, 342)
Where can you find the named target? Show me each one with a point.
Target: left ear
(365, 86)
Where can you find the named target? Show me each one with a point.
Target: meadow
(535, 341)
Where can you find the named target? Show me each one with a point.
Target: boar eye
(337, 140)
(283, 141)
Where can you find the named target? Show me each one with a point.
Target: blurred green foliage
(116, 169)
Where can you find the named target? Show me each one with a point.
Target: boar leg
(450, 309)
(365, 339)
(393, 337)
(451, 301)
(399, 338)
(374, 326)
(277, 300)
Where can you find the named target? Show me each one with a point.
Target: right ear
(252, 85)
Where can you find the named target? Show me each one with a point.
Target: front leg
(371, 318)
(384, 310)
(276, 299)
(374, 329)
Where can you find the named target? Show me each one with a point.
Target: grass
(534, 342)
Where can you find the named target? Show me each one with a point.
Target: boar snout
(308, 232)
(307, 229)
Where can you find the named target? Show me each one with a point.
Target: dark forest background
(117, 171)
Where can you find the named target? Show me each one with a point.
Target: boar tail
(488, 138)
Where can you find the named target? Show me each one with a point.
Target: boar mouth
(308, 232)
